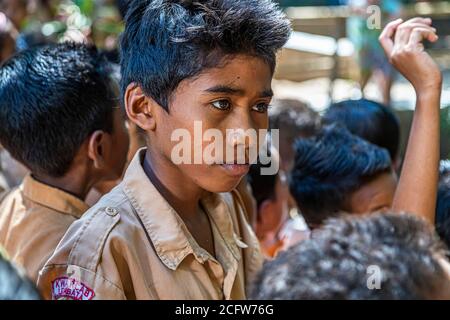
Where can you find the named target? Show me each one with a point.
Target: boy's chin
(219, 181)
(220, 186)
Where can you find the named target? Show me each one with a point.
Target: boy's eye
(261, 107)
(221, 104)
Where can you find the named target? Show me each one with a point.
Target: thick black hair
(369, 120)
(51, 99)
(167, 41)
(339, 260)
(443, 203)
(329, 167)
(14, 285)
(122, 6)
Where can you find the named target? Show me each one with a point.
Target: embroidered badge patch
(65, 287)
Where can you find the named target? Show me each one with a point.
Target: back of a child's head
(168, 41)
(329, 167)
(443, 203)
(379, 256)
(51, 99)
(369, 120)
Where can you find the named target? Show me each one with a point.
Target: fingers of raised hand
(386, 36)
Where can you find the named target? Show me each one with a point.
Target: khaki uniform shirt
(33, 218)
(133, 245)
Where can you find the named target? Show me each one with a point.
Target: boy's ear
(140, 108)
(99, 147)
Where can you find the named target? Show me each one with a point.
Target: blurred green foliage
(79, 20)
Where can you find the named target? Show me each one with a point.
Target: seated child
(60, 118)
(336, 171)
(369, 120)
(375, 257)
(173, 230)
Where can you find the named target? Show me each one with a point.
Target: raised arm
(403, 44)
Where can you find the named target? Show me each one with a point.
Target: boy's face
(233, 96)
(375, 195)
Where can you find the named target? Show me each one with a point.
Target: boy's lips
(236, 169)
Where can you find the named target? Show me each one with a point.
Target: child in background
(369, 120)
(378, 257)
(61, 119)
(336, 172)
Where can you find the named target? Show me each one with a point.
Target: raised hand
(403, 45)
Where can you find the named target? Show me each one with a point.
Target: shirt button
(111, 211)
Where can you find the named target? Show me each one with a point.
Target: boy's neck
(75, 185)
(180, 193)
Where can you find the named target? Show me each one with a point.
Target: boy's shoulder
(81, 250)
(90, 233)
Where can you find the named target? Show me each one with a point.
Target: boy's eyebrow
(237, 91)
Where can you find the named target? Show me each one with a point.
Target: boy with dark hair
(336, 171)
(369, 120)
(381, 256)
(60, 118)
(173, 230)
(167, 232)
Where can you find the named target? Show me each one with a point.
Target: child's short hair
(167, 41)
(443, 203)
(51, 99)
(369, 120)
(329, 167)
(340, 259)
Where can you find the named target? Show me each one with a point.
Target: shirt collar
(170, 237)
(53, 198)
